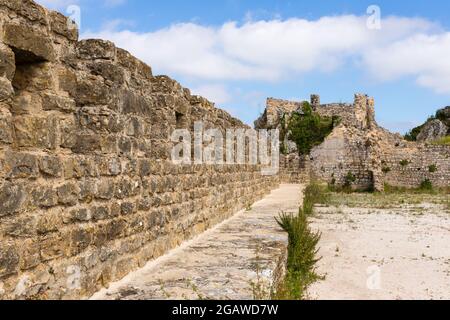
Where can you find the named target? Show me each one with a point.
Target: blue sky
(238, 52)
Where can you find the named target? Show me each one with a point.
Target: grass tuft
(302, 247)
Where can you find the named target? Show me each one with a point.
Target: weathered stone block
(88, 189)
(77, 215)
(6, 89)
(115, 229)
(51, 247)
(108, 70)
(49, 222)
(54, 102)
(100, 213)
(26, 103)
(51, 166)
(105, 189)
(26, 8)
(36, 132)
(63, 26)
(80, 239)
(132, 103)
(68, 194)
(92, 91)
(96, 49)
(21, 165)
(44, 196)
(12, 198)
(36, 45)
(127, 208)
(6, 136)
(126, 60)
(30, 255)
(7, 62)
(86, 143)
(19, 227)
(9, 259)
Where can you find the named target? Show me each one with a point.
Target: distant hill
(435, 128)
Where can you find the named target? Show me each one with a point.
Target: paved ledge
(222, 262)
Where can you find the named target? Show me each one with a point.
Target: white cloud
(57, 4)
(213, 92)
(274, 49)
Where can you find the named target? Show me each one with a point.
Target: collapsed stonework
(357, 148)
(87, 189)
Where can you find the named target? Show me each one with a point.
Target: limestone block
(9, 259)
(77, 215)
(96, 49)
(26, 103)
(51, 166)
(55, 102)
(6, 136)
(92, 91)
(68, 194)
(87, 190)
(7, 62)
(134, 65)
(29, 253)
(100, 213)
(6, 89)
(12, 198)
(32, 46)
(44, 197)
(63, 26)
(26, 8)
(21, 165)
(107, 70)
(36, 132)
(87, 143)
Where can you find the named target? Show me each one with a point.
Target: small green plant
(386, 170)
(404, 163)
(433, 168)
(350, 179)
(314, 193)
(302, 257)
(302, 248)
(426, 185)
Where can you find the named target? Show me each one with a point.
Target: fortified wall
(87, 191)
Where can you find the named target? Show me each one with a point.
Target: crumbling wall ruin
(358, 151)
(87, 189)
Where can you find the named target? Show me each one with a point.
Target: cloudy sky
(238, 52)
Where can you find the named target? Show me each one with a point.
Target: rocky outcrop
(433, 130)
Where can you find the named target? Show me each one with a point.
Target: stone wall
(410, 164)
(87, 191)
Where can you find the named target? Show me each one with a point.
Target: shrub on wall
(404, 163)
(386, 170)
(309, 129)
(432, 168)
(426, 185)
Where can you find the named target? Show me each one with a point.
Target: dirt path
(384, 253)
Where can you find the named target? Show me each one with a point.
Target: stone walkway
(222, 263)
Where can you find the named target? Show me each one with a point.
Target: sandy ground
(398, 253)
